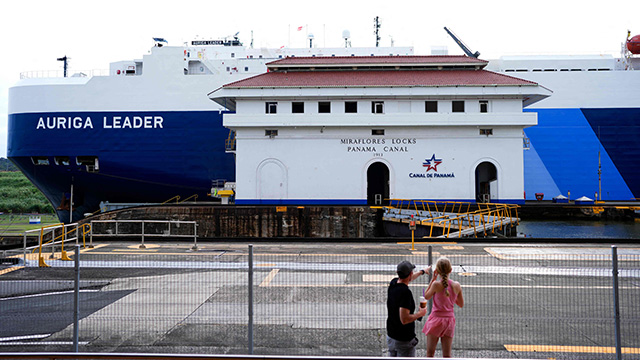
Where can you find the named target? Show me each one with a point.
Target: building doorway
(377, 184)
(486, 182)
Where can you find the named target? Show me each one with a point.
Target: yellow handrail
(41, 262)
(177, 198)
(195, 196)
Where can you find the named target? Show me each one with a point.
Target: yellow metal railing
(176, 198)
(194, 196)
(84, 228)
(495, 213)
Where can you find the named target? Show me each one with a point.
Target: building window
(484, 106)
(377, 131)
(431, 106)
(40, 160)
(271, 133)
(324, 107)
(457, 106)
(351, 107)
(297, 107)
(271, 107)
(377, 107)
(486, 132)
(61, 160)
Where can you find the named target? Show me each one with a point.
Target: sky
(33, 34)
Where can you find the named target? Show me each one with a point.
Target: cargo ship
(146, 132)
(142, 132)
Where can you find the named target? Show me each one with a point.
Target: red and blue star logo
(432, 163)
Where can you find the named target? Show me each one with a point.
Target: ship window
(228, 68)
(91, 162)
(351, 107)
(457, 106)
(324, 107)
(297, 107)
(377, 107)
(271, 107)
(40, 160)
(486, 132)
(61, 160)
(377, 131)
(431, 106)
(484, 106)
(271, 133)
(246, 68)
(233, 55)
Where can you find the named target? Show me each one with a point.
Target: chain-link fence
(318, 299)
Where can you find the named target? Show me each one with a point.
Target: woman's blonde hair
(443, 265)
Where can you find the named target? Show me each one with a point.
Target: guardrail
(41, 74)
(144, 230)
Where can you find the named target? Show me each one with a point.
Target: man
(401, 336)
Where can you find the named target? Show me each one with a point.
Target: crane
(462, 45)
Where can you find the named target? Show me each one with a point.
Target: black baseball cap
(405, 268)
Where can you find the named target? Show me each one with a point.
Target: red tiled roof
(379, 60)
(379, 78)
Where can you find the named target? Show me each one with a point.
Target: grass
(18, 195)
(17, 224)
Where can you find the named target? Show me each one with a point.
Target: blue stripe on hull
(135, 164)
(565, 157)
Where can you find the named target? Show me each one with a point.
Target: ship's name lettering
(134, 122)
(114, 122)
(61, 122)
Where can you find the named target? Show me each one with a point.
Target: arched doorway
(486, 182)
(377, 184)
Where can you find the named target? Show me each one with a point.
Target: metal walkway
(453, 219)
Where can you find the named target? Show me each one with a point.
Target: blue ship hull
(152, 165)
(136, 165)
(564, 151)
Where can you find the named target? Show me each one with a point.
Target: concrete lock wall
(265, 221)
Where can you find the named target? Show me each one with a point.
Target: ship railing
(144, 228)
(41, 74)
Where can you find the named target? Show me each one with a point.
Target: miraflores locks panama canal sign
(379, 147)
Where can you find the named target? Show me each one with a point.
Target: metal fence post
(430, 261)
(142, 246)
(616, 301)
(250, 284)
(90, 235)
(24, 250)
(76, 300)
(195, 237)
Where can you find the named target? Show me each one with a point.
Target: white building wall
(315, 163)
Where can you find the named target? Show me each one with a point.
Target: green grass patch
(17, 224)
(19, 195)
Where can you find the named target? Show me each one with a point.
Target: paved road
(326, 299)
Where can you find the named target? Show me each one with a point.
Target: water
(580, 229)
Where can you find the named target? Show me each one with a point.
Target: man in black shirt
(401, 336)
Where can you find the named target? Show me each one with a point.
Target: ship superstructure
(144, 133)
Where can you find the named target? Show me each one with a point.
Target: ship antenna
(376, 30)
(64, 60)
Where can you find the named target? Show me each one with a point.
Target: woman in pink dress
(441, 323)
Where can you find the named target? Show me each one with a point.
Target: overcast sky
(94, 33)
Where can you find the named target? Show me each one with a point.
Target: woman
(441, 323)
